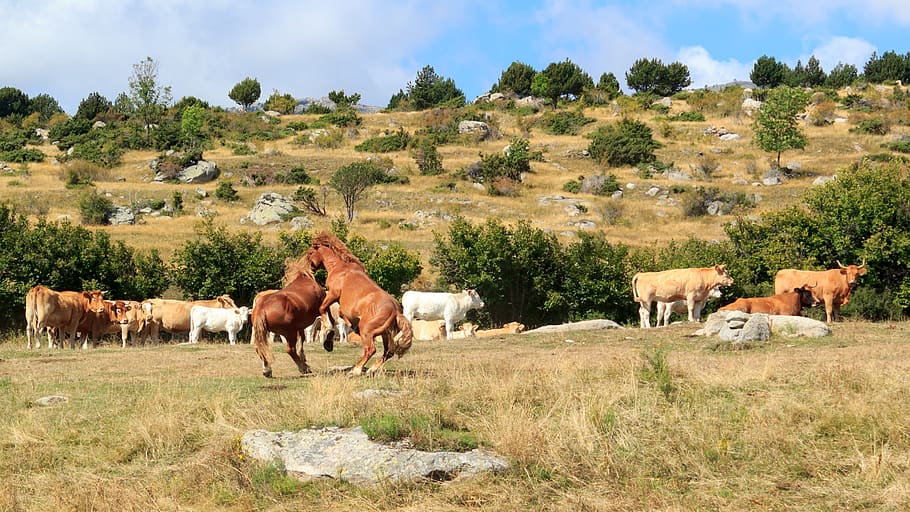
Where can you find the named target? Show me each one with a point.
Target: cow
(174, 315)
(133, 323)
(788, 303)
(666, 309)
(509, 328)
(451, 307)
(428, 329)
(46, 308)
(691, 284)
(95, 324)
(833, 287)
(217, 320)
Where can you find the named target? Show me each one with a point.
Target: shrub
(510, 165)
(902, 146)
(564, 122)
(686, 116)
(429, 163)
(79, 175)
(226, 192)
(572, 186)
(297, 175)
(22, 155)
(94, 208)
(627, 142)
(386, 144)
(602, 184)
(310, 200)
(872, 126)
(297, 125)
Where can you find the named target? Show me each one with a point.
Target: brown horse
(363, 304)
(287, 312)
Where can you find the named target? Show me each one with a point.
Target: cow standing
(451, 307)
(95, 324)
(833, 287)
(788, 303)
(46, 308)
(690, 284)
(174, 315)
(209, 319)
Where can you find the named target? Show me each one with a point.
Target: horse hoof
(267, 373)
(328, 344)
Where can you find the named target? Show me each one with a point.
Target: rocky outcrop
(269, 209)
(349, 455)
(738, 327)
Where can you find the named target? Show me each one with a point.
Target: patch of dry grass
(614, 420)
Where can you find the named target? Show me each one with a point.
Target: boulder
(202, 172)
(585, 325)
(348, 454)
(478, 128)
(120, 215)
(739, 327)
(270, 208)
(798, 326)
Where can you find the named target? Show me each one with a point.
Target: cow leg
(644, 315)
(450, 329)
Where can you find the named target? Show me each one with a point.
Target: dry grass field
(611, 420)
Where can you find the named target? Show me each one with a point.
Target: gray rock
(770, 181)
(475, 127)
(730, 136)
(349, 455)
(653, 191)
(120, 215)
(301, 222)
(202, 172)
(530, 101)
(585, 325)
(755, 329)
(51, 400)
(270, 208)
(677, 175)
(99, 124)
(617, 194)
(824, 180)
(798, 326)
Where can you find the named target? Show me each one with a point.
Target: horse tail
(635, 296)
(405, 335)
(260, 337)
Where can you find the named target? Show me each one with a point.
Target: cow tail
(635, 296)
(405, 335)
(260, 337)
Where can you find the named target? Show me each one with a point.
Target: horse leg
(386, 354)
(369, 348)
(299, 359)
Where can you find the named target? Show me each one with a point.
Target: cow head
(476, 301)
(225, 301)
(723, 278)
(851, 272)
(807, 297)
(95, 300)
(715, 293)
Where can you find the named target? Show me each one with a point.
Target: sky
(72, 48)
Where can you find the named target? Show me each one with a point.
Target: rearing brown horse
(287, 312)
(366, 306)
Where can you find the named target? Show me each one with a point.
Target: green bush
(872, 126)
(572, 186)
(564, 122)
(510, 164)
(628, 142)
(297, 175)
(94, 208)
(429, 163)
(226, 192)
(901, 146)
(22, 155)
(297, 125)
(686, 116)
(397, 141)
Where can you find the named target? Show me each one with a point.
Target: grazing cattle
(95, 324)
(46, 308)
(425, 330)
(787, 303)
(451, 307)
(174, 315)
(666, 309)
(691, 284)
(509, 328)
(833, 287)
(209, 319)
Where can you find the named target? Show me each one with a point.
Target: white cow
(342, 328)
(666, 309)
(451, 307)
(217, 320)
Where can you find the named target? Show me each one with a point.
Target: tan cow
(690, 284)
(509, 328)
(833, 286)
(95, 324)
(46, 308)
(788, 303)
(133, 324)
(173, 316)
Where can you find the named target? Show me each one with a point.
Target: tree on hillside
(890, 66)
(560, 79)
(516, 79)
(45, 106)
(628, 142)
(245, 92)
(342, 100)
(814, 74)
(427, 91)
(775, 124)
(352, 180)
(13, 103)
(149, 98)
(93, 105)
(767, 72)
(841, 75)
(609, 85)
(281, 103)
(651, 75)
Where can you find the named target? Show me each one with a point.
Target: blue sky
(71, 48)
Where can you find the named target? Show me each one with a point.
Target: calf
(95, 324)
(451, 307)
(509, 328)
(787, 303)
(666, 309)
(217, 320)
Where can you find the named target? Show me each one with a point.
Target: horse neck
(330, 260)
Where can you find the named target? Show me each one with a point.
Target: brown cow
(509, 328)
(173, 316)
(95, 324)
(691, 284)
(833, 286)
(788, 303)
(133, 324)
(64, 310)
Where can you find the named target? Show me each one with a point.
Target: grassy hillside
(410, 213)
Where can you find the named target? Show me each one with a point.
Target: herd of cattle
(84, 317)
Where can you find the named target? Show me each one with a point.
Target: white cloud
(706, 71)
(845, 50)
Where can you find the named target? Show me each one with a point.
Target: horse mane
(294, 267)
(332, 242)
